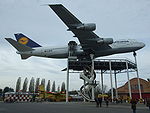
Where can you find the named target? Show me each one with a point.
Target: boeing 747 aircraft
(90, 43)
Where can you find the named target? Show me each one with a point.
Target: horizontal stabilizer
(18, 46)
(65, 69)
(25, 56)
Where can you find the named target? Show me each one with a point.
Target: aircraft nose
(142, 44)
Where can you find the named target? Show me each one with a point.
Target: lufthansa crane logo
(23, 40)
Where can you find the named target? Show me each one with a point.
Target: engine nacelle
(87, 27)
(105, 41)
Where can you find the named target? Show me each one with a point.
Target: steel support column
(139, 84)
(102, 82)
(67, 82)
(112, 94)
(129, 85)
(116, 84)
(84, 90)
(92, 72)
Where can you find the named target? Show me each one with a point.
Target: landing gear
(134, 54)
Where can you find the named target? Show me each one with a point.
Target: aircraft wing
(88, 39)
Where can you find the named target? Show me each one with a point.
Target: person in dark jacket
(100, 100)
(148, 103)
(133, 105)
(96, 100)
(106, 101)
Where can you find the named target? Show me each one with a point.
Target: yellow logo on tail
(23, 40)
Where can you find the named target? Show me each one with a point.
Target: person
(100, 100)
(148, 102)
(133, 105)
(96, 100)
(107, 101)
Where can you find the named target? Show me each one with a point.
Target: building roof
(145, 86)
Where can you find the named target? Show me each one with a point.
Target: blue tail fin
(26, 41)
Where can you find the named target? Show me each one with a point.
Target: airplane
(90, 43)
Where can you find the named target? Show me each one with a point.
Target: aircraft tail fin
(18, 46)
(22, 39)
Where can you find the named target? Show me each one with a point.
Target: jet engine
(105, 41)
(72, 48)
(87, 27)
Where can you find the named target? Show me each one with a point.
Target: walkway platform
(117, 65)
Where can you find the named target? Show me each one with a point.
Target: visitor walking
(133, 105)
(107, 101)
(100, 100)
(96, 100)
(148, 102)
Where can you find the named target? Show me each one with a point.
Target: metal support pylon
(92, 72)
(71, 56)
(129, 85)
(102, 82)
(139, 84)
(67, 81)
(112, 93)
(116, 85)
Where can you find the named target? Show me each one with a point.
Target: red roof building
(123, 91)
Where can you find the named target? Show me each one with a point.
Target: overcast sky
(118, 19)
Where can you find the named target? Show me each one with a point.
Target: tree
(58, 89)
(31, 86)
(43, 83)
(18, 84)
(11, 89)
(25, 85)
(63, 87)
(7, 89)
(105, 90)
(53, 87)
(37, 85)
(48, 86)
(1, 91)
(114, 92)
(98, 89)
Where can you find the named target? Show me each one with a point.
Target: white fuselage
(116, 47)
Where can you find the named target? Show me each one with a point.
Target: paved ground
(61, 107)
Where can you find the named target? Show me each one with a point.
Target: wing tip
(51, 5)
(54, 5)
